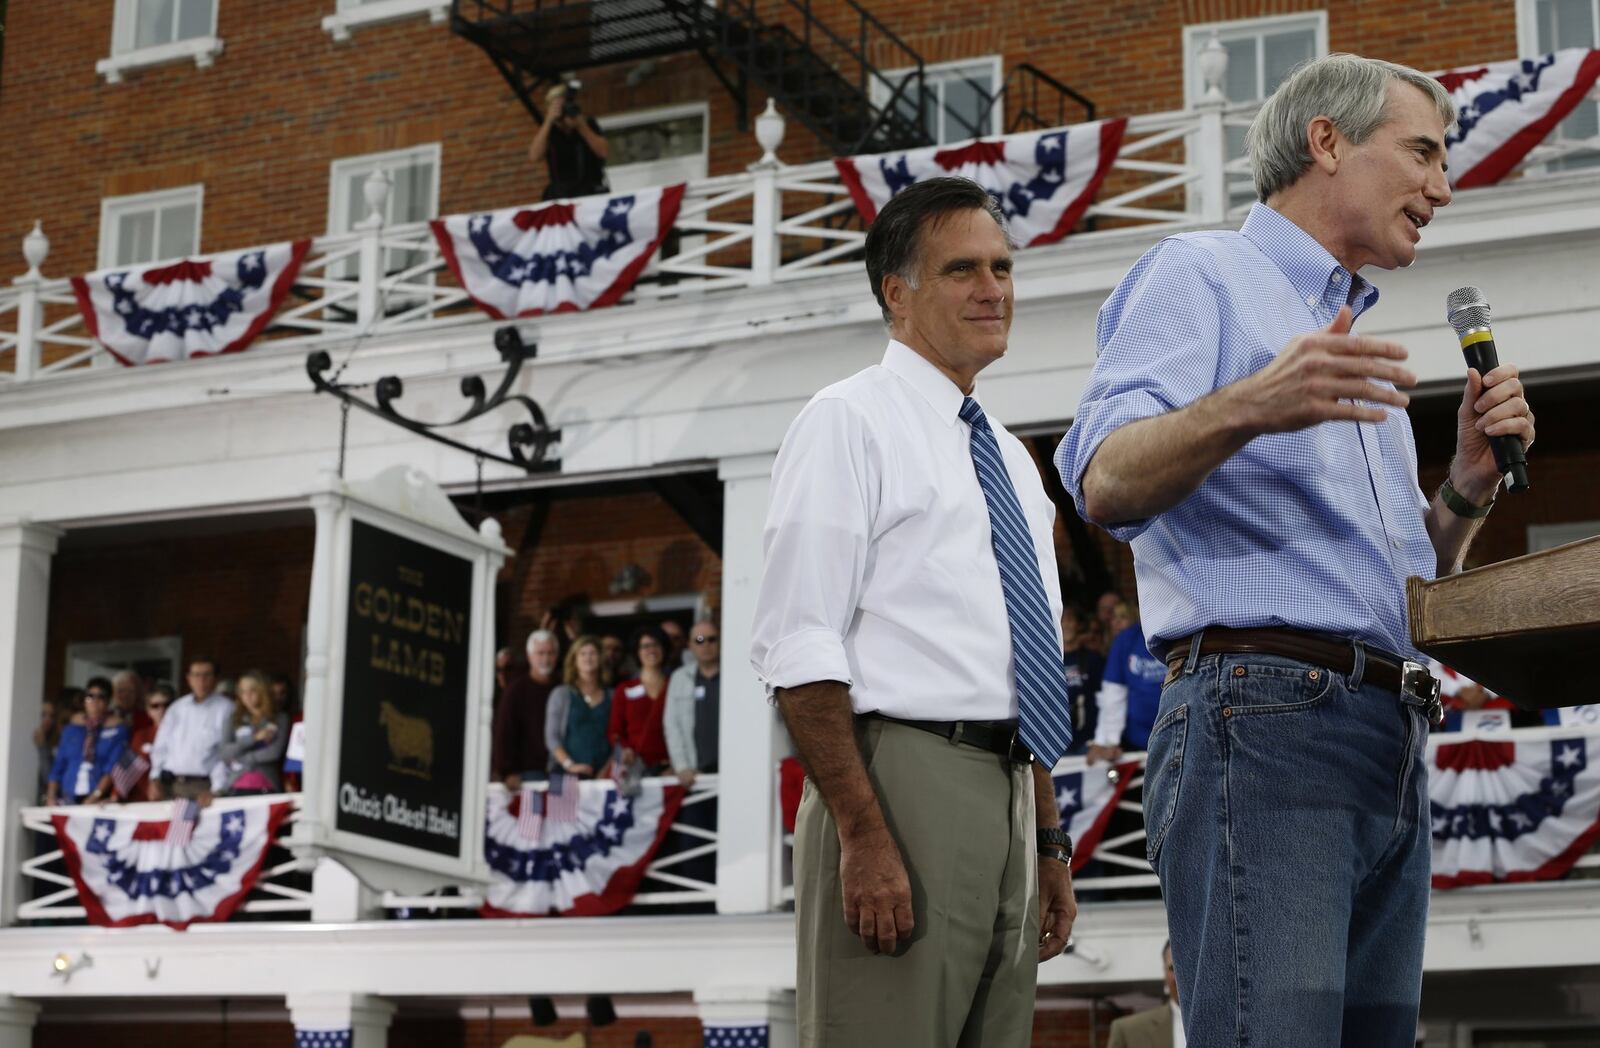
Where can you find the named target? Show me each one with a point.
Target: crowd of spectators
(126, 739)
(587, 703)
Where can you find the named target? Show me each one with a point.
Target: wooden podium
(1527, 628)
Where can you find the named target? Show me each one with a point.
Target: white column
(752, 739)
(338, 897)
(25, 552)
(17, 1019)
(749, 1009)
(340, 1020)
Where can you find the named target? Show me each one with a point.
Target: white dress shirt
(1178, 1039)
(187, 741)
(880, 568)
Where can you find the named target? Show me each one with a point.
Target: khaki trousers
(964, 820)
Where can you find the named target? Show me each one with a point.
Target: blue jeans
(1286, 814)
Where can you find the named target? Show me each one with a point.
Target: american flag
(561, 803)
(322, 1038)
(180, 826)
(530, 813)
(751, 1036)
(127, 772)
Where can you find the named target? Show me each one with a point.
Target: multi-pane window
(960, 100)
(157, 22)
(413, 196)
(150, 227)
(1262, 52)
(1558, 24)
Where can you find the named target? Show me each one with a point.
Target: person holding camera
(571, 144)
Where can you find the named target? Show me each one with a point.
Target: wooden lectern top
(1527, 628)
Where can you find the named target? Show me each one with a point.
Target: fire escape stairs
(828, 79)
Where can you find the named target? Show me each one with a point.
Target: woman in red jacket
(638, 705)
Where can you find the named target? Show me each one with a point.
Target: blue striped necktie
(1042, 708)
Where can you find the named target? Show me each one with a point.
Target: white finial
(376, 190)
(489, 528)
(770, 127)
(1213, 61)
(35, 249)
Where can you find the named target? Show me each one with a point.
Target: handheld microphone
(1468, 313)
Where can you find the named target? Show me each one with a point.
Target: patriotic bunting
(194, 308)
(735, 1035)
(1507, 108)
(585, 866)
(1087, 798)
(1043, 180)
(1513, 811)
(558, 257)
(197, 865)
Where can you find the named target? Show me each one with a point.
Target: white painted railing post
(766, 201)
(368, 305)
(1211, 145)
(35, 249)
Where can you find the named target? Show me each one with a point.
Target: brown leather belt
(1383, 668)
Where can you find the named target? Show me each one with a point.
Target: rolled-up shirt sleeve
(817, 536)
(1159, 339)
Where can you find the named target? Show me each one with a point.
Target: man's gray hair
(539, 637)
(1347, 89)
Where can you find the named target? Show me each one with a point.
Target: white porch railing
(769, 225)
(282, 889)
(1118, 870)
(665, 880)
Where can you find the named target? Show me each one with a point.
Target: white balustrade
(770, 224)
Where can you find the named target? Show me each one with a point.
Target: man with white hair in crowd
(1257, 456)
(127, 699)
(519, 750)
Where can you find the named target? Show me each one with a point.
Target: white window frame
(634, 117)
(124, 56)
(881, 91)
(353, 14)
(1528, 45)
(113, 208)
(1549, 536)
(1196, 36)
(364, 164)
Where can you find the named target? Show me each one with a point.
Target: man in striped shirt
(1258, 457)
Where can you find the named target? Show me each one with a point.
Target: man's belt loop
(1193, 660)
(1359, 670)
(956, 733)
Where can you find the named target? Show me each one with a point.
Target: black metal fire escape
(830, 78)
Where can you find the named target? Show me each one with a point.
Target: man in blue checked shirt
(1255, 454)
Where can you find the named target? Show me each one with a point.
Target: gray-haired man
(1249, 447)
(909, 624)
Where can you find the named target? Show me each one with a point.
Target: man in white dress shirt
(923, 904)
(186, 744)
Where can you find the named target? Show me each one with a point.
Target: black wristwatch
(1058, 840)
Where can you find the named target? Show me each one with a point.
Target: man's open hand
(1058, 907)
(1323, 376)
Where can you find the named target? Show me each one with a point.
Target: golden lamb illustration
(410, 741)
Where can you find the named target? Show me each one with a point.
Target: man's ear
(896, 294)
(1325, 144)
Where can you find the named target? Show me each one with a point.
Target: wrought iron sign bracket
(527, 442)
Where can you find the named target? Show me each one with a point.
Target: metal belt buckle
(1416, 681)
(1015, 751)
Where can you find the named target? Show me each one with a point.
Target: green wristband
(1459, 505)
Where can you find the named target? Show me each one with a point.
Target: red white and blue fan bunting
(129, 870)
(1087, 797)
(586, 867)
(1513, 811)
(1507, 108)
(1043, 180)
(558, 257)
(194, 308)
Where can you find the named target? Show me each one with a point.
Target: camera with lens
(569, 102)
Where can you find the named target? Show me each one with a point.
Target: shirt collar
(942, 395)
(1316, 275)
